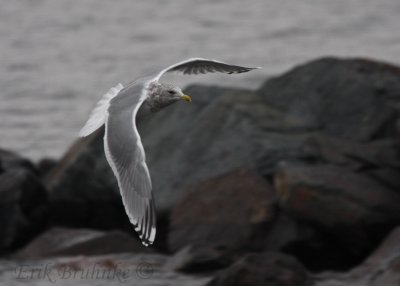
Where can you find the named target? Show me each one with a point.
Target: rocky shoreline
(296, 183)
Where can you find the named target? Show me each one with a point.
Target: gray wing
(125, 154)
(202, 66)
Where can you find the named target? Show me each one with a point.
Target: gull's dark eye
(171, 92)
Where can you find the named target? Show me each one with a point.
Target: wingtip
(150, 240)
(146, 240)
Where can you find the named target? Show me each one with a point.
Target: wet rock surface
(296, 183)
(348, 99)
(241, 199)
(263, 269)
(113, 269)
(69, 242)
(356, 210)
(198, 259)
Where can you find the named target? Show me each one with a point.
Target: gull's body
(117, 110)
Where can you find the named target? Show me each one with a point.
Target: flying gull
(117, 110)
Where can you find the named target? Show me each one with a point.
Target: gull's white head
(172, 93)
(164, 94)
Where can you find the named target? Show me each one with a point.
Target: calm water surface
(57, 57)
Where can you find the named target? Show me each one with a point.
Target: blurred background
(59, 57)
(288, 175)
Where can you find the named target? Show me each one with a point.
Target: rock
(45, 166)
(192, 259)
(10, 160)
(111, 270)
(316, 147)
(335, 112)
(390, 276)
(236, 203)
(269, 269)
(283, 231)
(351, 99)
(22, 206)
(387, 176)
(353, 155)
(315, 248)
(199, 141)
(387, 251)
(83, 190)
(70, 242)
(83, 181)
(352, 208)
(380, 268)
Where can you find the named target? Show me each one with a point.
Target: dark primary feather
(202, 66)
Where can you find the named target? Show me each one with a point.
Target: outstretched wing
(202, 66)
(125, 154)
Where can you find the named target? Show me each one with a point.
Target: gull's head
(173, 93)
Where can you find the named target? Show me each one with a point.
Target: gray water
(57, 57)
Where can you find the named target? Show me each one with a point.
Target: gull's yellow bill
(186, 98)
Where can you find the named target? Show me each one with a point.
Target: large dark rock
(265, 269)
(70, 242)
(45, 166)
(222, 212)
(315, 247)
(352, 208)
(83, 190)
(10, 160)
(218, 132)
(22, 207)
(346, 98)
(375, 155)
(341, 114)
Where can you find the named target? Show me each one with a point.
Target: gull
(118, 110)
